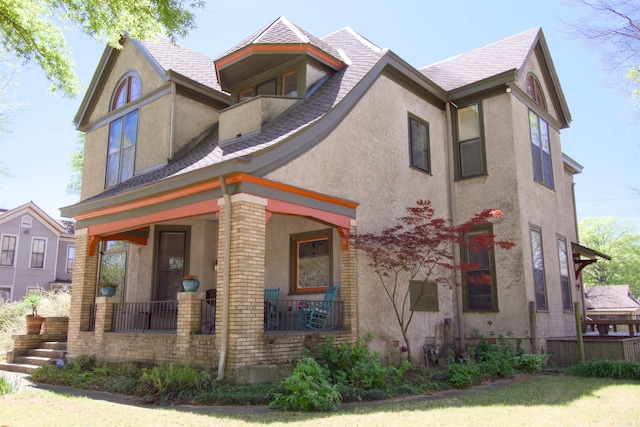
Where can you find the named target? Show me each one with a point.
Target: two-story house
(36, 252)
(254, 169)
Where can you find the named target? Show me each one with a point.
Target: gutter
(225, 278)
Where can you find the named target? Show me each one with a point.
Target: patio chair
(271, 296)
(321, 310)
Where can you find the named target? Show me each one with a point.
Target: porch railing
(208, 316)
(92, 317)
(294, 315)
(157, 316)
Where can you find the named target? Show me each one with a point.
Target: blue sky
(603, 136)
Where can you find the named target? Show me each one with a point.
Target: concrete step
(24, 368)
(34, 360)
(54, 345)
(45, 352)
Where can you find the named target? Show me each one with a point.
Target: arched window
(128, 90)
(123, 132)
(534, 90)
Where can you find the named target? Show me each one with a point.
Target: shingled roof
(205, 152)
(488, 61)
(283, 31)
(610, 298)
(171, 56)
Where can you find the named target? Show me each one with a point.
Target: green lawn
(554, 400)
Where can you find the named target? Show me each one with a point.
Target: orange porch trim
(195, 209)
(293, 209)
(279, 47)
(152, 200)
(243, 177)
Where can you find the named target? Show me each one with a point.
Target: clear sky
(603, 136)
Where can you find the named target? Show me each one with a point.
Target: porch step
(46, 353)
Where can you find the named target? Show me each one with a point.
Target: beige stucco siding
(154, 134)
(366, 159)
(192, 118)
(129, 59)
(499, 189)
(95, 160)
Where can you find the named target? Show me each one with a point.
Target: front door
(170, 263)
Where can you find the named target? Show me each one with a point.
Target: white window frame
(15, 249)
(44, 253)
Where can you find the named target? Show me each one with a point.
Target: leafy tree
(614, 26)
(420, 247)
(77, 159)
(33, 30)
(619, 240)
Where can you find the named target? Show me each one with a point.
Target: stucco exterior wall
(366, 160)
(154, 134)
(192, 118)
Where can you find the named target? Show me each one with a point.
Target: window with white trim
(469, 140)
(8, 250)
(38, 248)
(71, 256)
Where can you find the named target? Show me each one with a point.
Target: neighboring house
(253, 170)
(36, 252)
(610, 302)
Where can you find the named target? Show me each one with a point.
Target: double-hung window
(469, 140)
(480, 292)
(540, 150)
(123, 133)
(565, 286)
(71, 256)
(38, 247)
(539, 130)
(419, 144)
(538, 269)
(8, 250)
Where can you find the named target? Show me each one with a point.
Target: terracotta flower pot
(34, 324)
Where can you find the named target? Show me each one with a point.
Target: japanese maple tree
(420, 247)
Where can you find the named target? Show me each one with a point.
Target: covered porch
(249, 226)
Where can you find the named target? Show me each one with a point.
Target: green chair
(320, 312)
(271, 296)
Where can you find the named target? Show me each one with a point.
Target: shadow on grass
(540, 390)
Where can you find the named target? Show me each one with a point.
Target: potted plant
(108, 289)
(34, 320)
(190, 283)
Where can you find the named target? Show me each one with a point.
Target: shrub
(307, 389)
(465, 374)
(171, 381)
(357, 366)
(530, 362)
(616, 369)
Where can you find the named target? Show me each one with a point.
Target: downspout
(225, 278)
(452, 212)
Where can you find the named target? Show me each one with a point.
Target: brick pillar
(349, 285)
(246, 287)
(189, 304)
(83, 291)
(104, 316)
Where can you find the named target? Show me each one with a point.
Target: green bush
(357, 366)
(530, 362)
(172, 381)
(465, 374)
(230, 394)
(307, 389)
(616, 369)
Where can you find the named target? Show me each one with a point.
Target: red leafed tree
(420, 247)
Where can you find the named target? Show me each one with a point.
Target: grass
(543, 400)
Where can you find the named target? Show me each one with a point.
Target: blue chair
(271, 297)
(320, 311)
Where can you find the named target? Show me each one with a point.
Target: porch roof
(130, 221)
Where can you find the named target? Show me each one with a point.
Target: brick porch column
(104, 316)
(246, 287)
(83, 291)
(189, 304)
(349, 285)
